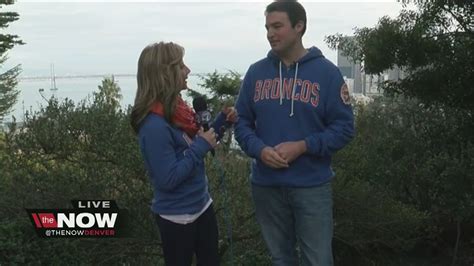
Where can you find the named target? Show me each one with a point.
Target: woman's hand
(210, 136)
(231, 114)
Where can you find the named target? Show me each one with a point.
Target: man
(294, 114)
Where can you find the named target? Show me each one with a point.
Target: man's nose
(269, 34)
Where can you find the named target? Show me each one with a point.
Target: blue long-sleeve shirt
(308, 101)
(175, 165)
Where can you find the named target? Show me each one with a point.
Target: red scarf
(183, 118)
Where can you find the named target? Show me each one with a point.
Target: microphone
(203, 116)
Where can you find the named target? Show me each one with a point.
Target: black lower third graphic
(87, 219)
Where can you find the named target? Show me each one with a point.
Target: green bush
(420, 157)
(383, 204)
(88, 151)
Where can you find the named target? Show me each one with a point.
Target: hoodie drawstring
(293, 89)
(281, 87)
(293, 92)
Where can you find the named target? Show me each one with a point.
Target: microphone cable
(227, 214)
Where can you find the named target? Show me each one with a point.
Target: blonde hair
(158, 80)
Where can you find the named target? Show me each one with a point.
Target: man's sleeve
(245, 135)
(339, 121)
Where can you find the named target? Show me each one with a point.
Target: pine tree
(8, 79)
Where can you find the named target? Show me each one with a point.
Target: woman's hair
(158, 80)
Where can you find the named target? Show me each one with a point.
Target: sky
(94, 38)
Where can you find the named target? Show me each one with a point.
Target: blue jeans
(289, 215)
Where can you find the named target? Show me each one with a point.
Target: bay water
(34, 92)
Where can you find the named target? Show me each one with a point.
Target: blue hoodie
(315, 108)
(175, 165)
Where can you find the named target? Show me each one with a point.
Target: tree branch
(461, 22)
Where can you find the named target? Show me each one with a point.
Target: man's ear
(299, 26)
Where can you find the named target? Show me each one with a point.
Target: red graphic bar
(37, 221)
(48, 220)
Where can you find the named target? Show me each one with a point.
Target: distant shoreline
(25, 78)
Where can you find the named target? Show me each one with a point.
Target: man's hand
(230, 114)
(271, 158)
(291, 150)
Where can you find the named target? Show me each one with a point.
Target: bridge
(27, 78)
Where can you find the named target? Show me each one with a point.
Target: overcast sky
(107, 37)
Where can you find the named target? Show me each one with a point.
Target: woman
(173, 148)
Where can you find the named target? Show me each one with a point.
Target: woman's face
(184, 75)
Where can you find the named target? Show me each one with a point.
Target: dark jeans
(181, 241)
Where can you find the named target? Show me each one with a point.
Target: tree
(109, 94)
(416, 156)
(421, 148)
(433, 45)
(8, 79)
(220, 90)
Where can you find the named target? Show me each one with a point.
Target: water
(75, 89)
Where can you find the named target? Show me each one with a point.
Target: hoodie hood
(313, 54)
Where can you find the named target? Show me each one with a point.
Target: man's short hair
(292, 8)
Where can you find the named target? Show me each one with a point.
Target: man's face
(280, 34)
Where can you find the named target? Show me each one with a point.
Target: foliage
(88, 150)
(220, 90)
(433, 45)
(419, 157)
(371, 225)
(420, 149)
(66, 152)
(240, 242)
(109, 93)
(8, 79)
